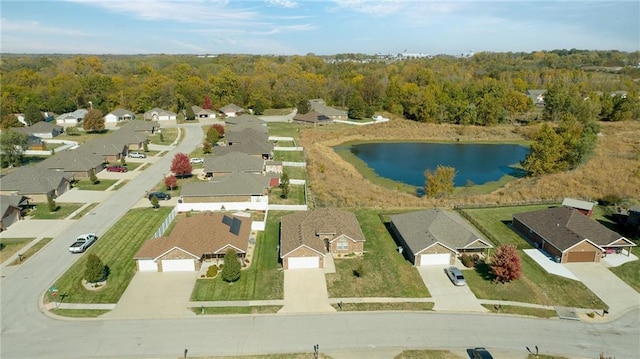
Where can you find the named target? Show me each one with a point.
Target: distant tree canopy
(485, 89)
(12, 145)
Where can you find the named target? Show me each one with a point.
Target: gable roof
(233, 162)
(120, 112)
(140, 126)
(204, 233)
(233, 184)
(246, 134)
(78, 160)
(77, 114)
(199, 110)
(231, 108)
(33, 180)
(41, 127)
(564, 227)
(248, 146)
(311, 117)
(302, 229)
(422, 229)
(245, 119)
(11, 201)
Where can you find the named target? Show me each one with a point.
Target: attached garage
(435, 259)
(303, 262)
(576, 257)
(147, 265)
(178, 265)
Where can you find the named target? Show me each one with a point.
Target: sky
(290, 27)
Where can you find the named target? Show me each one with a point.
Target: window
(343, 245)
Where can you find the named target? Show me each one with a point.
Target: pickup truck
(116, 168)
(82, 243)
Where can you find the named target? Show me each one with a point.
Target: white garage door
(178, 265)
(435, 259)
(304, 262)
(147, 265)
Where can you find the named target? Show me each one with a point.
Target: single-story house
(568, 235)
(12, 208)
(158, 114)
(584, 207)
(194, 240)
(231, 110)
(307, 236)
(246, 134)
(110, 147)
(232, 162)
(77, 163)
(436, 237)
(42, 129)
(71, 118)
(36, 183)
(251, 147)
(246, 120)
(536, 96)
(320, 106)
(118, 115)
(234, 187)
(202, 113)
(312, 118)
(144, 127)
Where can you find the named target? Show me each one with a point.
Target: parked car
(82, 243)
(481, 353)
(137, 155)
(455, 275)
(160, 195)
(116, 168)
(196, 160)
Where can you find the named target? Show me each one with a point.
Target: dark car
(116, 168)
(161, 196)
(481, 353)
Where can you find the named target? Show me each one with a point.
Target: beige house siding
(354, 246)
(435, 249)
(583, 247)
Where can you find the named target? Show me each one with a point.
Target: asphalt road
(29, 333)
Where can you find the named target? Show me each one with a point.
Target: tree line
(486, 89)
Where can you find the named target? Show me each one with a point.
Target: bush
(94, 270)
(232, 268)
(212, 271)
(467, 260)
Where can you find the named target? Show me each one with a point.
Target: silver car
(455, 275)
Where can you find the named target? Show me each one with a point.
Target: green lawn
(277, 111)
(536, 285)
(296, 195)
(11, 246)
(285, 130)
(296, 172)
(64, 210)
(289, 156)
(31, 251)
(265, 309)
(384, 271)
(116, 248)
(426, 354)
(534, 312)
(168, 136)
(364, 307)
(86, 185)
(630, 272)
(79, 313)
(263, 280)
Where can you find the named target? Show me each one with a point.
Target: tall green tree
(32, 114)
(356, 106)
(547, 153)
(94, 269)
(439, 183)
(10, 120)
(303, 106)
(12, 145)
(232, 266)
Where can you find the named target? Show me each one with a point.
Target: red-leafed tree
(206, 104)
(171, 182)
(219, 128)
(505, 264)
(180, 166)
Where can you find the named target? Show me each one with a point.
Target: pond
(474, 163)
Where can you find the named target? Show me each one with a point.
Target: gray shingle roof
(120, 112)
(231, 108)
(41, 127)
(249, 147)
(565, 227)
(423, 229)
(233, 162)
(78, 160)
(33, 180)
(311, 117)
(302, 228)
(233, 184)
(246, 134)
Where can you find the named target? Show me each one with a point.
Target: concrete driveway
(305, 291)
(607, 286)
(446, 296)
(156, 295)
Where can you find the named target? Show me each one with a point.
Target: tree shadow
(484, 270)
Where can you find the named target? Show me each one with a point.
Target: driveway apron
(446, 296)
(305, 291)
(607, 286)
(156, 295)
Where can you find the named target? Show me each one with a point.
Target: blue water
(407, 162)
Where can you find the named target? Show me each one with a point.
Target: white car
(196, 160)
(82, 243)
(455, 275)
(137, 155)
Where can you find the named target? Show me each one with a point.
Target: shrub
(212, 271)
(232, 268)
(467, 260)
(94, 270)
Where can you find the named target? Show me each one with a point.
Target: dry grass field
(613, 170)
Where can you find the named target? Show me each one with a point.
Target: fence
(294, 164)
(166, 223)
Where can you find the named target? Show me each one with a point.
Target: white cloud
(283, 3)
(35, 27)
